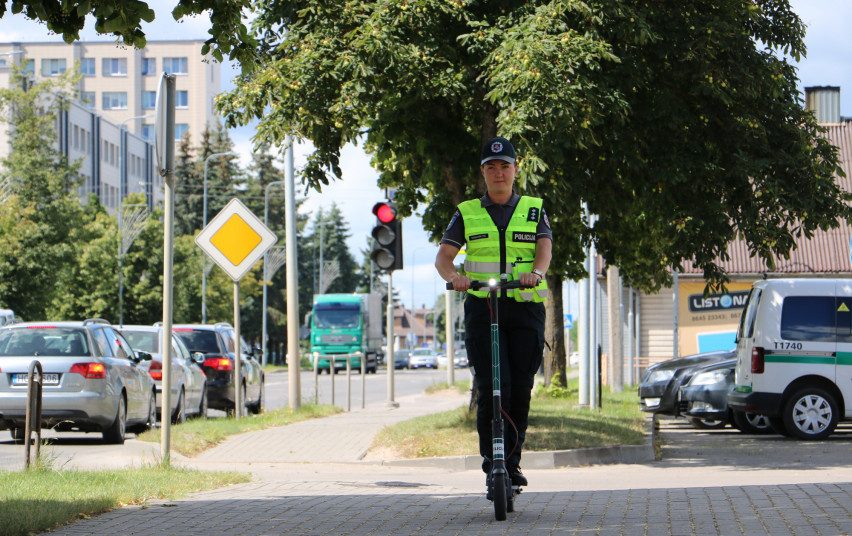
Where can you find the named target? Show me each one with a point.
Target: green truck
(344, 324)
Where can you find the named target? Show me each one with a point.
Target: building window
(182, 99)
(29, 67)
(180, 130)
(115, 66)
(115, 100)
(149, 100)
(88, 99)
(175, 65)
(148, 131)
(87, 66)
(149, 66)
(52, 66)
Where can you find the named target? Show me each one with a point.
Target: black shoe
(518, 478)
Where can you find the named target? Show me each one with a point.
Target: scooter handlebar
(477, 285)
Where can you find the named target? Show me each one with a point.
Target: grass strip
(555, 423)
(38, 500)
(462, 386)
(197, 435)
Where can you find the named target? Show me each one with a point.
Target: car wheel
(707, 424)
(179, 416)
(751, 423)
(202, 406)
(811, 413)
(114, 434)
(371, 370)
(257, 407)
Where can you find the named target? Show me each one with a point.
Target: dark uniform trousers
(521, 348)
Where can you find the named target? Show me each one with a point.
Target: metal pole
(204, 224)
(349, 382)
(266, 282)
(676, 320)
(332, 372)
(238, 355)
(168, 272)
(316, 378)
(593, 321)
(363, 381)
(631, 333)
(389, 349)
(292, 281)
(583, 336)
(450, 336)
(320, 289)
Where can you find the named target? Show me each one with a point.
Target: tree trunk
(554, 335)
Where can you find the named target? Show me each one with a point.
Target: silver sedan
(92, 379)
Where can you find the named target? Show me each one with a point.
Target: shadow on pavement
(686, 446)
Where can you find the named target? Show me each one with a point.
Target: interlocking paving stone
(356, 509)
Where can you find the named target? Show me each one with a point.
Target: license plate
(49, 379)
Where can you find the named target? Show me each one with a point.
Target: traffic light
(387, 235)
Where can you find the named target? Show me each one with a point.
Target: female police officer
(504, 233)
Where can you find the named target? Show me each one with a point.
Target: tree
(680, 126)
(42, 217)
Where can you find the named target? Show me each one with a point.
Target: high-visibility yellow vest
(491, 250)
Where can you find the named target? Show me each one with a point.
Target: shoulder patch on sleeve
(455, 217)
(545, 218)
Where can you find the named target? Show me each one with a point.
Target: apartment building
(110, 129)
(120, 83)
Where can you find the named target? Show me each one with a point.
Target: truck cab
(346, 325)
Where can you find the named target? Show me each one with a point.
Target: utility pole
(615, 368)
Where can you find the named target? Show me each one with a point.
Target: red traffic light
(385, 212)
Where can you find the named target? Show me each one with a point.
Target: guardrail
(332, 366)
(33, 413)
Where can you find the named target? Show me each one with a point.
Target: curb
(626, 454)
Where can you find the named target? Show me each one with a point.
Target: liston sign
(698, 303)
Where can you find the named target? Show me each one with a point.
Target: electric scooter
(501, 490)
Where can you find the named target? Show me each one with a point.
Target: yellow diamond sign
(235, 239)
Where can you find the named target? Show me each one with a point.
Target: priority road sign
(235, 239)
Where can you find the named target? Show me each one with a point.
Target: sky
(828, 62)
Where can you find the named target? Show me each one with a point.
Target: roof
(827, 252)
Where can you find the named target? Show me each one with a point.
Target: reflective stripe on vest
(482, 239)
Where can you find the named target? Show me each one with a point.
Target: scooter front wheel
(500, 498)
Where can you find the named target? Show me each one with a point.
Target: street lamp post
(265, 336)
(122, 180)
(204, 224)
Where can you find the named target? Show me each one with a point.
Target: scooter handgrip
(449, 286)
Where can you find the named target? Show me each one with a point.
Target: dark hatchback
(661, 382)
(216, 342)
(705, 398)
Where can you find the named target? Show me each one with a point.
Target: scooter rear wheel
(500, 498)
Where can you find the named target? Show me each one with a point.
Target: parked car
(189, 383)
(661, 382)
(794, 355)
(93, 381)
(461, 358)
(423, 358)
(705, 397)
(400, 359)
(217, 345)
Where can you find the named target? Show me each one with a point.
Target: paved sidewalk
(709, 484)
(341, 438)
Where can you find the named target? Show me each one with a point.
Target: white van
(794, 355)
(7, 316)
